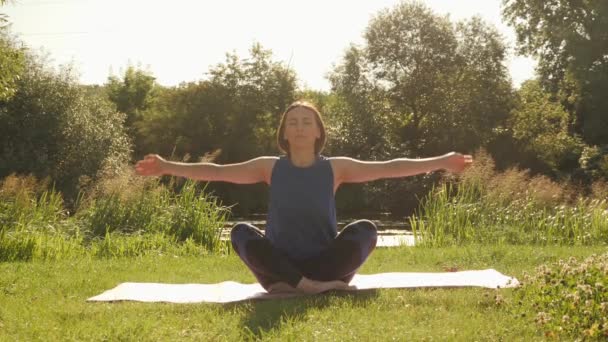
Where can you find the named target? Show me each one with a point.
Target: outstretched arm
(350, 170)
(249, 172)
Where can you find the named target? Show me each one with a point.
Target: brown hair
(319, 143)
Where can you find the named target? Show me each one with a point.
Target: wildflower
(542, 318)
(605, 329)
(499, 299)
(573, 297)
(585, 288)
(593, 331)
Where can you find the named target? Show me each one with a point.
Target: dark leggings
(338, 262)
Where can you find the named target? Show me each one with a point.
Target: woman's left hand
(456, 162)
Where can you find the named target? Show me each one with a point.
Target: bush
(51, 128)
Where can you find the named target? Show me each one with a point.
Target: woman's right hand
(151, 165)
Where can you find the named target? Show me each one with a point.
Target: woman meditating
(301, 249)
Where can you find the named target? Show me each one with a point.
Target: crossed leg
(333, 268)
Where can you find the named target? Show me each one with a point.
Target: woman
(301, 249)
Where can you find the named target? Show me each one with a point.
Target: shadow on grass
(265, 315)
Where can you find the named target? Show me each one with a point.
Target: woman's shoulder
(342, 164)
(266, 165)
(339, 160)
(268, 161)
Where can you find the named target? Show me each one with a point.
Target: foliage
(134, 93)
(232, 115)
(50, 128)
(437, 85)
(540, 125)
(569, 298)
(12, 64)
(570, 41)
(131, 205)
(27, 204)
(420, 85)
(509, 207)
(594, 162)
(124, 216)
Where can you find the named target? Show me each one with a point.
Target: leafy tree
(12, 63)
(362, 117)
(236, 110)
(438, 85)
(255, 91)
(570, 41)
(50, 128)
(132, 94)
(409, 50)
(540, 125)
(419, 85)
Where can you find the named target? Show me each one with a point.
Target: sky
(178, 41)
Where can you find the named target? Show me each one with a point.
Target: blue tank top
(301, 219)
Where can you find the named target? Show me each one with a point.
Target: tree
(132, 94)
(419, 85)
(438, 85)
(540, 125)
(236, 110)
(12, 63)
(253, 92)
(50, 128)
(570, 41)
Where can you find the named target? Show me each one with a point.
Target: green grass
(46, 300)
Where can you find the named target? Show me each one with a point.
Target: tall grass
(122, 215)
(509, 207)
(27, 204)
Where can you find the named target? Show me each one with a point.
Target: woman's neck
(302, 158)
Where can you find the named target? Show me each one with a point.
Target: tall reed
(122, 216)
(509, 207)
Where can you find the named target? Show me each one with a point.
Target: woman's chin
(302, 144)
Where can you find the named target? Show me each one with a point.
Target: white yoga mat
(230, 291)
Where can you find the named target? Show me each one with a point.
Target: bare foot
(281, 287)
(315, 286)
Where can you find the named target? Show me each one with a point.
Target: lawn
(46, 300)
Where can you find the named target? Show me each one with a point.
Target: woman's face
(301, 128)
